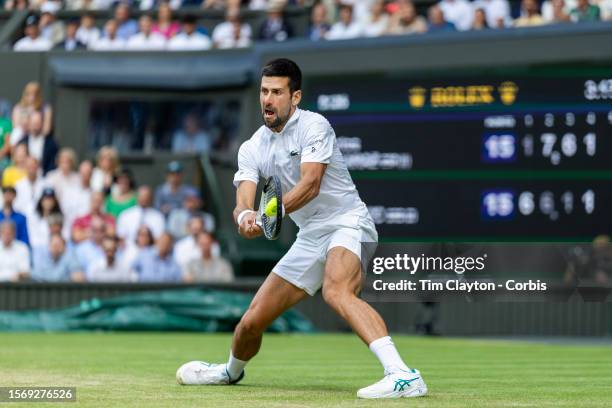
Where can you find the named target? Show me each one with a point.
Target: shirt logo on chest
(294, 153)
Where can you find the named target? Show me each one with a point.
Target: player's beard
(278, 122)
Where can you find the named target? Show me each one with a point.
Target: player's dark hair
(283, 67)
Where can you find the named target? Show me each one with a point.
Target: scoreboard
(503, 155)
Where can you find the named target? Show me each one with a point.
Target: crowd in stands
(157, 29)
(62, 219)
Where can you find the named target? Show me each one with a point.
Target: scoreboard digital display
(506, 155)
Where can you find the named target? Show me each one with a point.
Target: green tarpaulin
(202, 310)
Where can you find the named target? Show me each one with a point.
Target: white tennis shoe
(202, 373)
(401, 384)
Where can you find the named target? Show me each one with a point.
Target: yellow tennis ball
(271, 207)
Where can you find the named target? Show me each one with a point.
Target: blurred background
(461, 121)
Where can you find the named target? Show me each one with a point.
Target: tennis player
(320, 197)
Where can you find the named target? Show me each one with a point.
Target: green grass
(137, 370)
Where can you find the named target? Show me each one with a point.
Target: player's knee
(249, 326)
(334, 295)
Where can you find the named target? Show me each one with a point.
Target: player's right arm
(245, 180)
(244, 213)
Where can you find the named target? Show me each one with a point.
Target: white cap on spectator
(50, 7)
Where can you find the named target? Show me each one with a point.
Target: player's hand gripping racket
(269, 213)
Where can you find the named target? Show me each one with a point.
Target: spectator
(31, 101)
(126, 26)
(146, 39)
(17, 5)
(64, 178)
(131, 250)
(17, 170)
(458, 12)
(172, 193)
(71, 42)
(82, 225)
(143, 213)
(56, 263)
(437, 21)
(50, 27)
(56, 226)
(33, 41)
(19, 220)
(497, 12)
(20, 128)
(530, 15)
(107, 167)
(108, 268)
(39, 146)
(76, 198)
(553, 11)
(275, 27)
(88, 33)
(14, 255)
(192, 138)
(123, 197)
(406, 20)
(189, 39)
(480, 20)
(378, 21)
(585, 11)
(232, 33)
(157, 264)
(29, 189)
(165, 24)
(178, 220)
(90, 250)
(38, 221)
(110, 41)
(214, 4)
(346, 27)
(318, 22)
(361, 9)
(262, 4)
(208, 268)
(605, 6)
(547, 8)
(186, 249)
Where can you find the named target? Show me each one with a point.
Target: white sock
(387, 354)
(235, 366)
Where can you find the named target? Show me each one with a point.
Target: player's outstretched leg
(342, 283)
(274, 297)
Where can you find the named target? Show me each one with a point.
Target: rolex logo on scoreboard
(462, 95)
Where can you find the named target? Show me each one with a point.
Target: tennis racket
(269, 215)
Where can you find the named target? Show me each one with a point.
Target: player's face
(277, 101)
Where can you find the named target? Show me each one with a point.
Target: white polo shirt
(28, 44)
(193, 42)
(142, 42)
(131, 219)
(107, 44)
(13, 260)
(306, 137)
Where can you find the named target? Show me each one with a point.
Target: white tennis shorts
(304, 264)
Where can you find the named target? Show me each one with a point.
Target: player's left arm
(311, 175)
